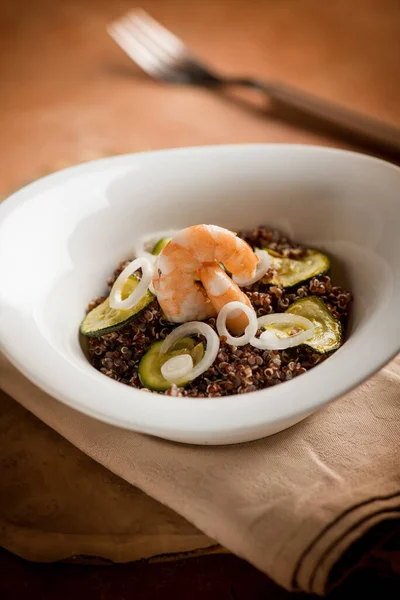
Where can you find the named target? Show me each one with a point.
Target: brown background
(69, 94)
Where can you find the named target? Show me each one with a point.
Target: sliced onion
(151, 288)
(250, 330)
(210, 354)
(261, 268)
(140, 290)
(144, 245)
(268, 340)
(177, 367)
(154, 276)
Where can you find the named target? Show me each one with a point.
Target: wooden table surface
(69, 94)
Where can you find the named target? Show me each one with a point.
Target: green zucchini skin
(149, 370)
(103, 319)
(160, 245)
(150, 364)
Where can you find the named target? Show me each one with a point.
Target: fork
(165, 57)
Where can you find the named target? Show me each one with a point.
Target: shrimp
(221, 289)
(189, 283)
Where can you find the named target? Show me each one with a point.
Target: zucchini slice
(290, 271)
(273, 253)
(283, 330)
(151, 362)
(328, 330)
(104, 319)
(160, 245)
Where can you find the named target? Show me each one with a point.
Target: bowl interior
(62, 237)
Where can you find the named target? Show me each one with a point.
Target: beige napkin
(291, 504)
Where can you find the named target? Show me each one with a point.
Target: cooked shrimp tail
(192, 256)
(220, 290)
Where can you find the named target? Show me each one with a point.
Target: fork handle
(371, 130)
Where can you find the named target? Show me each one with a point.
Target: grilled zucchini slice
(328, 330)
(291, 272)
(103, 319)
(150, 365)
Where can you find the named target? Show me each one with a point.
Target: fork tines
(155, 49)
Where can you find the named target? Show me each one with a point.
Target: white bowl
(62, 236)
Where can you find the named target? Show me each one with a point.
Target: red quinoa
(236, 370)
